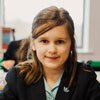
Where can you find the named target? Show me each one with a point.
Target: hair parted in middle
(46, 20)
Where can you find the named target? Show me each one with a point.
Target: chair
(94, 64)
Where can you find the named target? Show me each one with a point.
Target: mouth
(51, 57)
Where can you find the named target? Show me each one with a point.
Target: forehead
(57, 32)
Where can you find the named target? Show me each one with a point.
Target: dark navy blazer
(86, 88)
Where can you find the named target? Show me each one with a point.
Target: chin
(52, 66)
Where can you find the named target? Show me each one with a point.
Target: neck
(52, 76)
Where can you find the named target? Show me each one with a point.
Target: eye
(44, 41)
(60, 41)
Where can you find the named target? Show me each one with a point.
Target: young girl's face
(53, 47)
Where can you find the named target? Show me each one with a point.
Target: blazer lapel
(63, 92)
(36, 91)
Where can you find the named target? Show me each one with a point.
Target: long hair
(21, 53)
(47, 19)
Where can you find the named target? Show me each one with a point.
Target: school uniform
(86, 88)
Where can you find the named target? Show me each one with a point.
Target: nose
(52, 48)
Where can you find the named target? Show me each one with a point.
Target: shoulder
(12, 75)
(12, 45)
(15, 42)
(85, 73)
(14, 79)
(11, 80)
(87, 82)
(84, 68)
(13, 83)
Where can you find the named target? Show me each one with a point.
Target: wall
(94, 33)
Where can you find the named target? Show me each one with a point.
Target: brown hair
(22, 51)
(47, 19)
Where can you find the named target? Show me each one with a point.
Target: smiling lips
(52, 58)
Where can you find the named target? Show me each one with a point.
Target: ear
(33, 46)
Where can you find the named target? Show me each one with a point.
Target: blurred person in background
(14, 54)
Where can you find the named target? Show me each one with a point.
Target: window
(19, 14)
(1, 21)
(1, 13)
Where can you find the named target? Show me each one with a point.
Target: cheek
(65, 51)
(66, 48)
(40, 52)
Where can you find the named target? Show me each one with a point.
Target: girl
(52, 72)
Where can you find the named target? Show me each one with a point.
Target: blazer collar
(37, 91)
(63, 91)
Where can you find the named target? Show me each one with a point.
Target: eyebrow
(58, 38)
